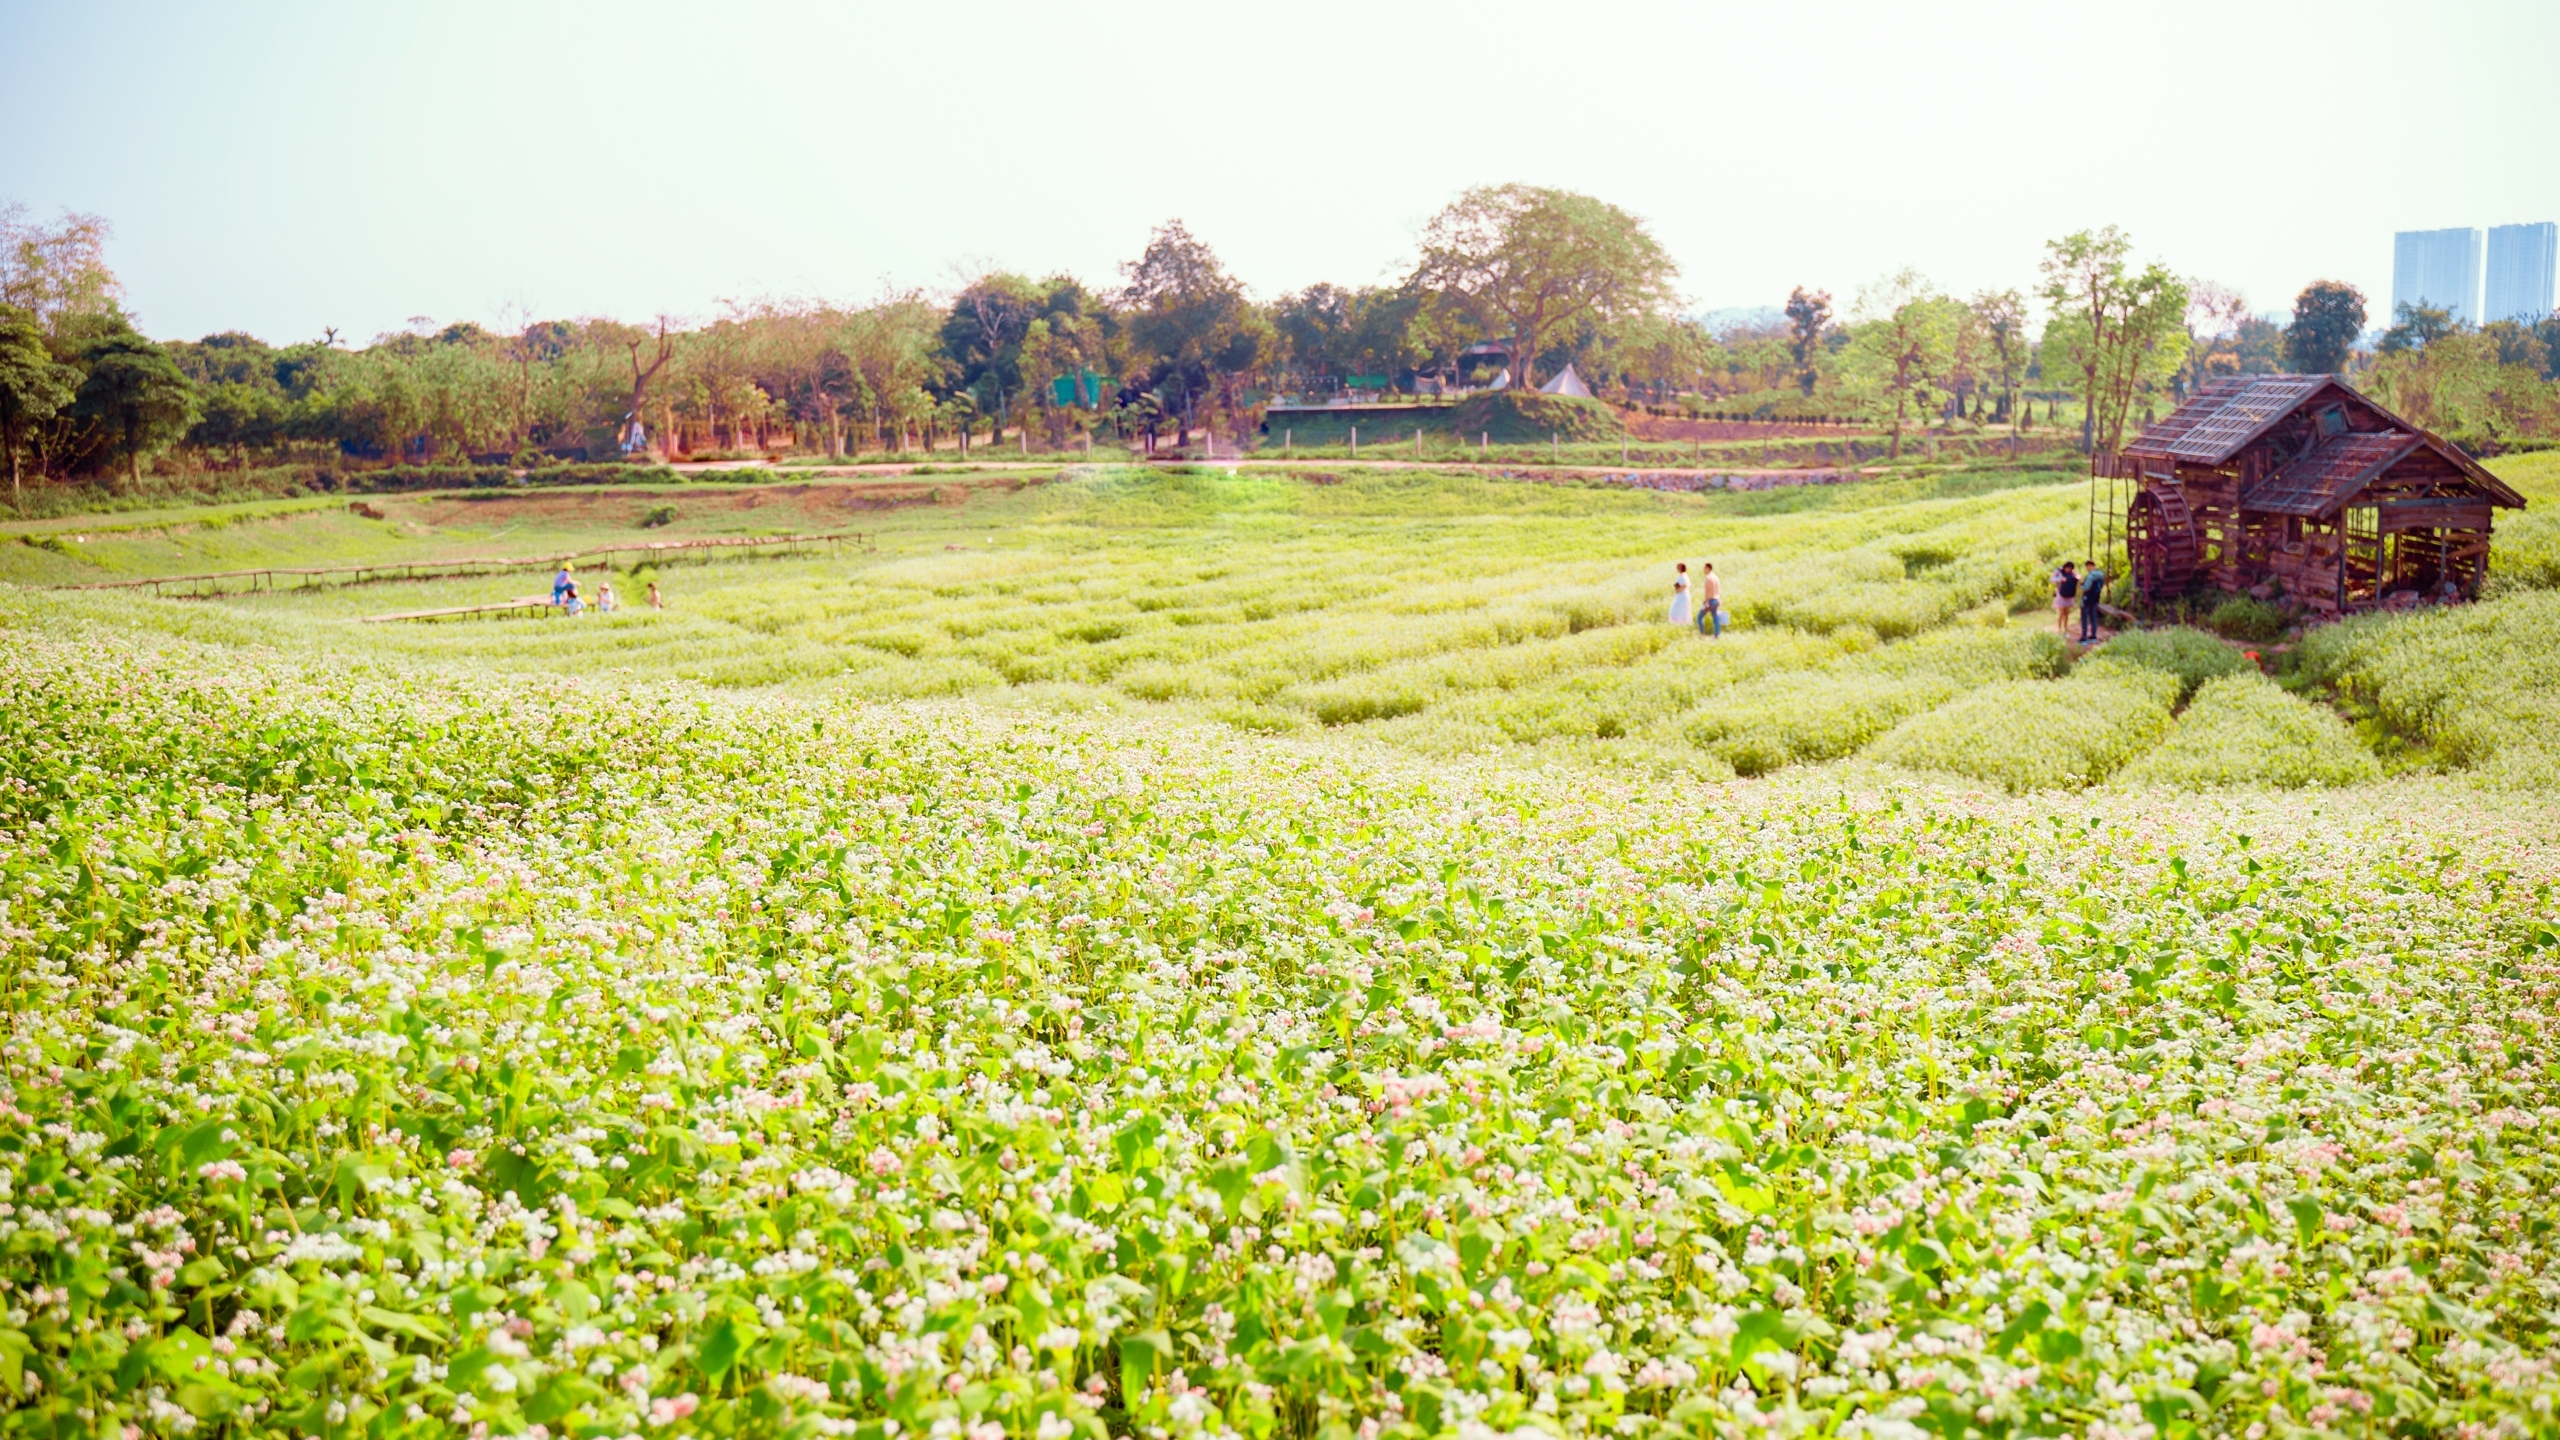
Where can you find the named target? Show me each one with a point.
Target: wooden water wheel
(2160, 536)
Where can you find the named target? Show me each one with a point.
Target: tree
(1330, 331)
(661, 348)
(983, 336)
(1806, 315)
(2151, 349)
(135, 392)
(1193, 316)
(2327, 317)
(2216, 315)
(1902, 343)
(892, 346)
(57, 274)
(2460, 386)
(33, 386)
(1534, 262)
(2416, 326)
(2146, 347)
(2082, 274)
(2002, 316)
(2519, 345)
(2111, 331)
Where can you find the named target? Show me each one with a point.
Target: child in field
(2066, 592)
(570, 601)
(2093, 586)
(1680, 594)
(1710, 601)
(654, 602)
(606, 604)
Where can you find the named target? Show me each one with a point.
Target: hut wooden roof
(2329, 474)
(2223, 415)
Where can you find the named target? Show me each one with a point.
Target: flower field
(396, 1049)
(1442, 614)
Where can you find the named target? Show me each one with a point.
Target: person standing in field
(606, 601)
(1710, 601)
(2066, 590)
(1680, 595)
(654, 602)
(2093, 586)
(562, 585)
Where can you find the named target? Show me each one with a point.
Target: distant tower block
(2521, 261)
(2440, 268)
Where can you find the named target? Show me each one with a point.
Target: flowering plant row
(392, 1055)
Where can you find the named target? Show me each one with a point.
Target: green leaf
(1142, 1354)
(720, 1347)
(202, 1143)
(575, 1300)
(2306, 1219)
(177, 1354)
(416, 1327)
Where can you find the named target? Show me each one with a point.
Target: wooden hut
(2299, 485)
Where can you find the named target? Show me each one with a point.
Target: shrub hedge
(2245, 730)
(2192, 655)
(2040, 734)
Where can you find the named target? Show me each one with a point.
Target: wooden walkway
(292, 577)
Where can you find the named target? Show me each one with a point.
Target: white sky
(281, 167)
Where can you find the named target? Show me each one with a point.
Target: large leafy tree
(1903, 349)
(983, 335)
(2115, 332)
(1187, 311)
(33, 386)
(2415, 327)
(1534, 263)
(1330, 330)
(2327, 317)
(892, 347)
(58, 272)
(136, 395)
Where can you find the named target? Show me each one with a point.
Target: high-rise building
(2521, 261)
(2440, 268)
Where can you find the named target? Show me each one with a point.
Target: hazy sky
(284, 167)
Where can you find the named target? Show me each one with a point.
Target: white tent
(1566, 383)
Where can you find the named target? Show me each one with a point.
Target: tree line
(1511, 284)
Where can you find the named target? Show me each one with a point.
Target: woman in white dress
(1680, 596)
